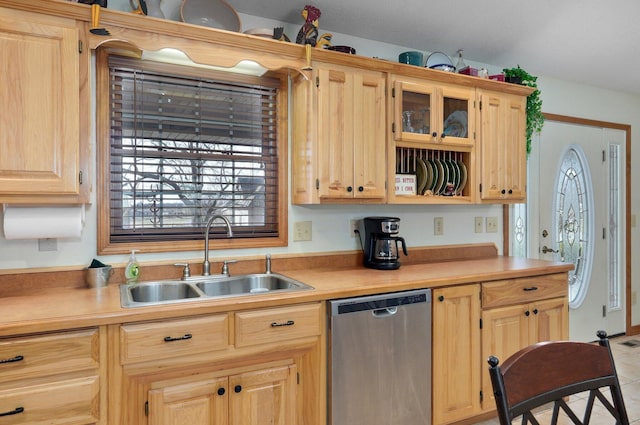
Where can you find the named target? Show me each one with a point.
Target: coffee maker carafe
(381, 242)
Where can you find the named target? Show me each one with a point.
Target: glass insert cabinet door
(433, 114)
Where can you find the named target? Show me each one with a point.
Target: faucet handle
(186, 271)
(267, 263)
(225, 266)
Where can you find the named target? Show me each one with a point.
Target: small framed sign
(405, 184)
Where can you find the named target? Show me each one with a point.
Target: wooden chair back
(550, 372)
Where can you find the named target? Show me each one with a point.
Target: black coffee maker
(380, 245)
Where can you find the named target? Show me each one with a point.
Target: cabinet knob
(510, 191)
(442, 136)
(237, 388)
(535, 311)
(360, 189)
(434, 134)
(349, 189)
(221, 391)
(503, 191)
(441, 298)
(527, 313)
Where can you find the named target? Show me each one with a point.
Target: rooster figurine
(308, 34)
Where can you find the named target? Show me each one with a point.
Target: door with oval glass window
(581, 187)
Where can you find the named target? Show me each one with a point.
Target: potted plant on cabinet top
(535, 118)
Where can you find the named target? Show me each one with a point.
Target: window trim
(106, 247)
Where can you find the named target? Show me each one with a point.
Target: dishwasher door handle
(385, 312)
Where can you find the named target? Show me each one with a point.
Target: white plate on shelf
(456, 124)
(210, 13)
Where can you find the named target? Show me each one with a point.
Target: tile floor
(628, 366)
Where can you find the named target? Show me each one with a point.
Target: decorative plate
(456, 124)
(210, 13)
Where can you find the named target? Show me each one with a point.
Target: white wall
(331, 223)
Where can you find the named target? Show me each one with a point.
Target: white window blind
(185, 147)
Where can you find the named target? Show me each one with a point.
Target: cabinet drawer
(277, 324)
(69, 402)
(173, 338)
(523, 290)
(44, 355)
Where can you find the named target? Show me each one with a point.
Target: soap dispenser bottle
(132, 271)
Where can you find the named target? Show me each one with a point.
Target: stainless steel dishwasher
(380, 356)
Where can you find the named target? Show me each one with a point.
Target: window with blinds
(184, 147)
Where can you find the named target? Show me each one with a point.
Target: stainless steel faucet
(206, 270)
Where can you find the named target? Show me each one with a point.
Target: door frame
(630, 329)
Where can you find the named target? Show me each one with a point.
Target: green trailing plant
(535, 118)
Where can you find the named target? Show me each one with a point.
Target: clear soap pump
(132, 271)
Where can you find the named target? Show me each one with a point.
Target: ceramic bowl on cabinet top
(210, 13)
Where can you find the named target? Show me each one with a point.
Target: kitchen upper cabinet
(339, 136)
(504, 156)
(427, 113)
(433, 140)
(45, 104)
(456, 353)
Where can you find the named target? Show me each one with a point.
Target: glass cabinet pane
(416, 112)
(455, 116)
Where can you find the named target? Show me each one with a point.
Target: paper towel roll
(43, 222)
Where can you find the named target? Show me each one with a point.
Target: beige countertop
(64, 308)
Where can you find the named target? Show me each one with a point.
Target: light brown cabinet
(262, 397)
(520, 312)
(250, 367)
(456, 353)
(45, 104)
(429, 113)
(433, 138)
(339, 124)
(504, 153)
(55, 378)
(472, 322)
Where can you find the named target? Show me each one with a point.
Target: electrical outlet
(355, 227)
(301, 231)
(492, 224)
(478, 224)
(438, 226)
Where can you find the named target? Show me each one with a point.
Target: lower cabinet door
(456, 353)
(505, 330)
(263, 397)
(201, 403)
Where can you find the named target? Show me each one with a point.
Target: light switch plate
(492, 224)
(478, 224)
(438, 226)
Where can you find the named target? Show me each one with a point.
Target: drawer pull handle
(15, 359)
(179, 338)
(531, 288)
(287, 323)
(13, 412)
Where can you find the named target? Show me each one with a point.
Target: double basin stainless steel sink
(205, 288)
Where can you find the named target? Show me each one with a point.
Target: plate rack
(440, 173)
